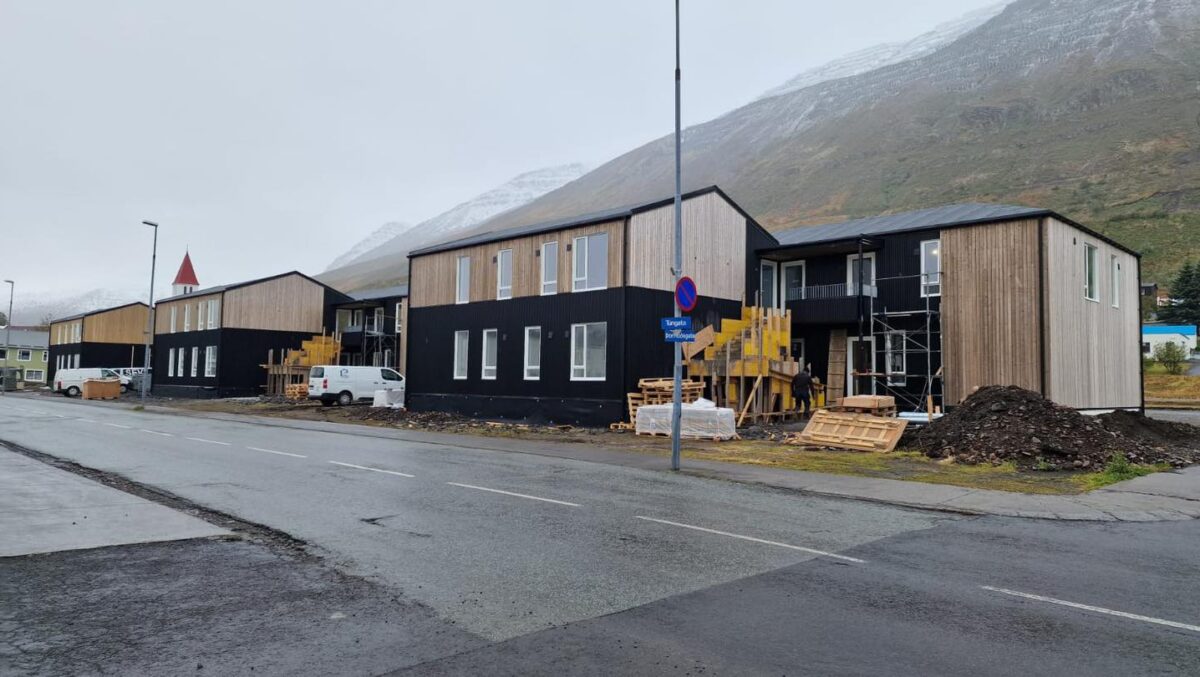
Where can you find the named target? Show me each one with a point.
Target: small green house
(26, 349)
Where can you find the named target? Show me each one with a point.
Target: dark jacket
(802, 384)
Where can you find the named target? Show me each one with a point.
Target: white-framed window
(174, 315)
(210, 361)
(794, 279)
(549, 268)
(35, 375)
(187, 317)
(200, 315)
(46, 356)
(357, 322)
(533, 353)
(195, 360)
(590, 262)
(171, 363)
(868, 274)
(895, 357)
(491, 344)
(214, 313)
(504, 273)
(798, 353)
(462, 282)
(462, 343)
(931, 268)
(24, 355)
(77, 334)
(398, 314)
(1115, 273)
(58, 362)
(75, 361)
(589, 351)
(1091, 283)
(58, 334)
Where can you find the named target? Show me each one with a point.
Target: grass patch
(1118, 469)
(1161, 386)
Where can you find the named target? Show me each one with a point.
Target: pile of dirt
(998, 424)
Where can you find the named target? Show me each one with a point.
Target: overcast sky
(270, 136)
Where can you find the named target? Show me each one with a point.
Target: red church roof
(186, 274)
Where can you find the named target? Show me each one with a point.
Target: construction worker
(802, 388)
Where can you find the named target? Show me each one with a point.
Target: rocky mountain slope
(36, 309)
(386, 262)
(1084, 106)
(365, 246)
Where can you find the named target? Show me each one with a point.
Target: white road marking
(59, 416)
(789, 546)
(201, 439)
(363, 467)
(155, 432)
(1097, 609)
(510, 493)
(85, 420)
(272, 451)
(118, 425)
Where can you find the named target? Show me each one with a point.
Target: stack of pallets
(874, 405)
(658, 391)
(296, 391)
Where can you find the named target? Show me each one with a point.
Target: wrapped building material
(700, 420)
(390, 399)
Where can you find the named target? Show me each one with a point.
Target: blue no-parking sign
(685, 294)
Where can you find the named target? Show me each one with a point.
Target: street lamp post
(7, 335)
(677, 268)
(150, 315)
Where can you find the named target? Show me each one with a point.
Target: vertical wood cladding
(714, 247)
(287, 303)
(990, 291)
(1093, 349)
(162, 313)
(119, 325)
(435, 275)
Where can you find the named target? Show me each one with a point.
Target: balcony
(827, 303)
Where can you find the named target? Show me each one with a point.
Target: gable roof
(26, 338)
(237, 285)
(186, 274)
(580, 220)
(88, 313)
(1161, 329)
(946, 216)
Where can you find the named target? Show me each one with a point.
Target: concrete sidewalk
(44, 509)
(1158, 497)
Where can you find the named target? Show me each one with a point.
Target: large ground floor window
(589, 349)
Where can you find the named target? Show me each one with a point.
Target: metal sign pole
(677, 401)
(150, 316)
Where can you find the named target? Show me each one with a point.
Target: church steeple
(185, 280)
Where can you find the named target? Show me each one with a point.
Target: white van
(331, 383)
(69, 382)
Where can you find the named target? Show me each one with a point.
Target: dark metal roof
(576, 221)
(949, 215)
(26, 338)
(76, 316)
(383, 293)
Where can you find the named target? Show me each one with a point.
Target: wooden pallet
(620, 426)
(296, 391)
(889, 412)
(686, 437)
(853, 431)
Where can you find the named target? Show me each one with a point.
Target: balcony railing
(829, 291)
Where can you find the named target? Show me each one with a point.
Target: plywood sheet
(857, 432)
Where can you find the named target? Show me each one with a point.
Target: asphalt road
(555, 566)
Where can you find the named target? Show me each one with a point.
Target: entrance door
(793, 282)
(868, 274)
(769, 284)
(860, 353)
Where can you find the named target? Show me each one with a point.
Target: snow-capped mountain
(379, 236)
(34, 310)
(887, 54)
(517, 191)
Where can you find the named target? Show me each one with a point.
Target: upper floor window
(174, 315)
(214, 313)
(1091, 283)
(462, 288)
(1115, 265)
(504, 272)
(931, 268)
(187, 317)
(77, 332)
(865, 275)
(549, 268)
(591, 262)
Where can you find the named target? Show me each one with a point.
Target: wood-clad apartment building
(962, 296)
(212, 342)
(557, 321)
(109, 337)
